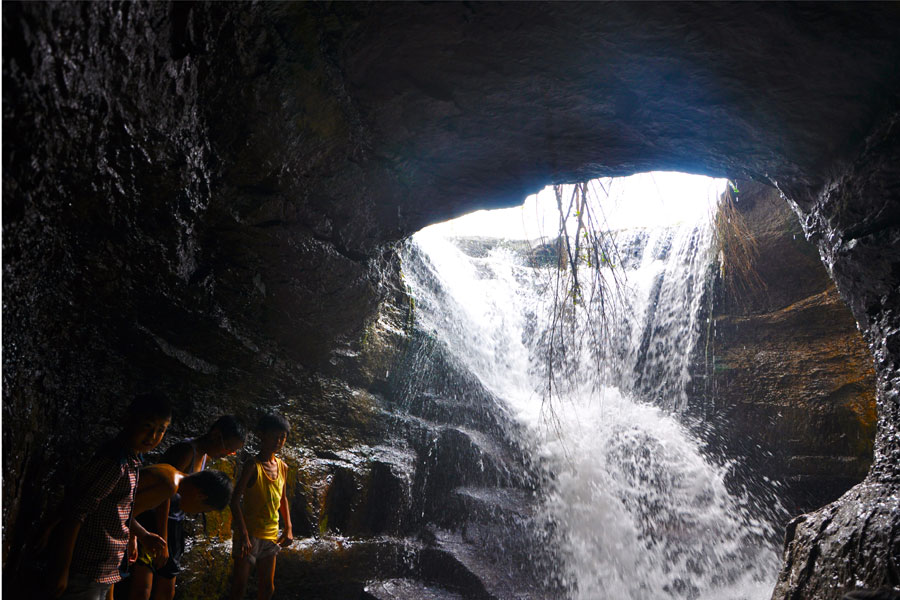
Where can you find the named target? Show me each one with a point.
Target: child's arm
(155, 488)
(131, 550)
(162, 526)
(65, 536)
(246, 479)
(287, 536)
(179, 456)
(155, 544)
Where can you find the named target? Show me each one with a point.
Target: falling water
(639, 510)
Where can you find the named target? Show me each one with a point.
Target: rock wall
(855, 222)
(784, 383)
(138, 254)
(443, 507)
(203, 197)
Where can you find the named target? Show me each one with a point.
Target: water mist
(639, 511)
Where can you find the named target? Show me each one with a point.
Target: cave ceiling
(420, 112)
(226, 178)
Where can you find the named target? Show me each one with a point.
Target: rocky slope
(785, 383)
(443, 507)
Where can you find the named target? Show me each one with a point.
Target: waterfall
(639, 511)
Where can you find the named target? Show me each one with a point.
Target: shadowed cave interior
(210, 200)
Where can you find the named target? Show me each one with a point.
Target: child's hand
(160, 560)
(57, 585)
(243, 545)
(286, 538)
(132, 551)
(156, 546)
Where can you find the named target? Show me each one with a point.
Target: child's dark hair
(230, 428)
(150, 405)
(273, 422)
(215, 485)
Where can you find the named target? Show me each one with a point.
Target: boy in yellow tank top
(259, 497)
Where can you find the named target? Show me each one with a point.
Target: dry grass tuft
(736, 248)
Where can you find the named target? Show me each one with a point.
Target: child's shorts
(260, 549)
(169, 570)
(176, 542)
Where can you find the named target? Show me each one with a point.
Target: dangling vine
(580, 286)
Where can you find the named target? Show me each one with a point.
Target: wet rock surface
(854, 538)
(783, 383)
(203, 197)
(445, 509)
(855, 223)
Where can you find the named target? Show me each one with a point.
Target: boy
(197, 492)
(91, 536)
(259, 497)
(225, 437)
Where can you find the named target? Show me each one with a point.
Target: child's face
(272, 440)
(145, 433)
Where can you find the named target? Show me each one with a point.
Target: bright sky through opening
(644, 200)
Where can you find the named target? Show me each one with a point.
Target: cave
(208, 200)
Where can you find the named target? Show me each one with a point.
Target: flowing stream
(638, 510)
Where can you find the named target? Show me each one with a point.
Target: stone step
(344, 569)
(466, 457)
(502, 522)
(458, 457)
(495, 505)
(470, 413)
(406, 589)
(502, 575)
(498, 500)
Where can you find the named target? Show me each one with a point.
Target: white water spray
(640, 512)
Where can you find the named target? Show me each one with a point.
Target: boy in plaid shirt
(90, 539)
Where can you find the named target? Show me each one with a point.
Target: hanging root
(586, 274)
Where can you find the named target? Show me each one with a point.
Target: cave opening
(480, 283)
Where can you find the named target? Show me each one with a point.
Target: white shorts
(259, 549)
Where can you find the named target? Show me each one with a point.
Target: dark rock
(880, 594)
(855, 539)
(476, 485)
(856, 224)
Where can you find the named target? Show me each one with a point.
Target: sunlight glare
(644, 200)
